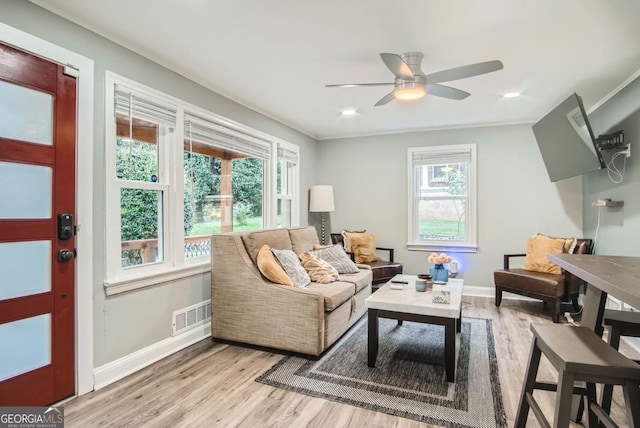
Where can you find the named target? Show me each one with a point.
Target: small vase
(439, 273)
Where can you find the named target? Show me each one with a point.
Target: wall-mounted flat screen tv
(566, 141)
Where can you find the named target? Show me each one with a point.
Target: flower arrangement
(438, 272)
(439, 259)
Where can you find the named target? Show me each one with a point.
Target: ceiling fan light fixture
(409, 91)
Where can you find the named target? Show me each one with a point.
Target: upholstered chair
(552, 289)
(383, 270)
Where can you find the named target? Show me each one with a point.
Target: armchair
(550, 288)
(382, 270)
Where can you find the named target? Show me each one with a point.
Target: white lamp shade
(321, 199)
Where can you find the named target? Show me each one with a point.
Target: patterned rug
(409, 379)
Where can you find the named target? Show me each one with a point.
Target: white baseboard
(490, 292)
(122, 367)
(476, 291)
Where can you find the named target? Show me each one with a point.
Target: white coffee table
(410, 305)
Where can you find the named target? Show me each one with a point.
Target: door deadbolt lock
(65, 255)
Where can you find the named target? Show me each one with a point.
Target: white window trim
(294, 182)
(174, 266)
(470, 246)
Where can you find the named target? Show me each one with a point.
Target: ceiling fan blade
(384, 100)
(353, 85)
(397, 66)
(464, 71)
(446, 92)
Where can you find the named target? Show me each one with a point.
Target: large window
(177, 174)
(442, 207)
(224, 181)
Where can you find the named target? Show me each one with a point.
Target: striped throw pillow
(337, 258)
(319, 270)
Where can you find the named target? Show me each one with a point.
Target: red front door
(37, 186)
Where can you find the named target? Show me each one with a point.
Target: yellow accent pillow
(319, 270)
(363, 246)
(569, 243)
(270, 268)
(348, 235)
(537, 249)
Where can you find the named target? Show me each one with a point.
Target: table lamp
(321, 201)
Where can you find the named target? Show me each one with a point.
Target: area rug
(409, 379)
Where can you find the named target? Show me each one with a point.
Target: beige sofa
(248, 308)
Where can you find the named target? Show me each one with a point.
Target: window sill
(129, 283)
(451, 248)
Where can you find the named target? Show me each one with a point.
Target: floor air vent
(191, 317)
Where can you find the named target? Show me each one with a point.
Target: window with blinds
(442, 185)
(143, 127)
(175, 175)
(224, 179)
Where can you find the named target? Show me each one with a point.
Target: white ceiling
(276, 56)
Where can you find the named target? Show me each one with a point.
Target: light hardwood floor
(210, 385)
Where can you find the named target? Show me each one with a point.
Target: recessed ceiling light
(512, 94)
(349, 112)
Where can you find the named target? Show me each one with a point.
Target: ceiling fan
(411, 83)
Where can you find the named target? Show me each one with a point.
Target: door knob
(65, 255)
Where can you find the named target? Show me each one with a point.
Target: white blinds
(288, 155)
(131, 104)
(204, 131)
(437, 157)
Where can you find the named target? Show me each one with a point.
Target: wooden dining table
(617, 276)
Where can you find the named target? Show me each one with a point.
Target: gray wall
(618, 226)
(129, 322)
(515, 197)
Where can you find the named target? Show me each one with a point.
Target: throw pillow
(321, 246)
(337, 258)
(270, 268)
(363, 246)
(319, 270)
(537, 249)
(291, 265)
(569, 243)
(347, 236)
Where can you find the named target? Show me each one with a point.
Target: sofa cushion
(336, 256)
(537, 249)
(360, 280)
(319, 270)
(546, 284)
(291, 265)
(270, 268)
(274, 238)
(335, 293)
(303, 239)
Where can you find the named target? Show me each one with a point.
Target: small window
(442, 211)
(286, 185)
